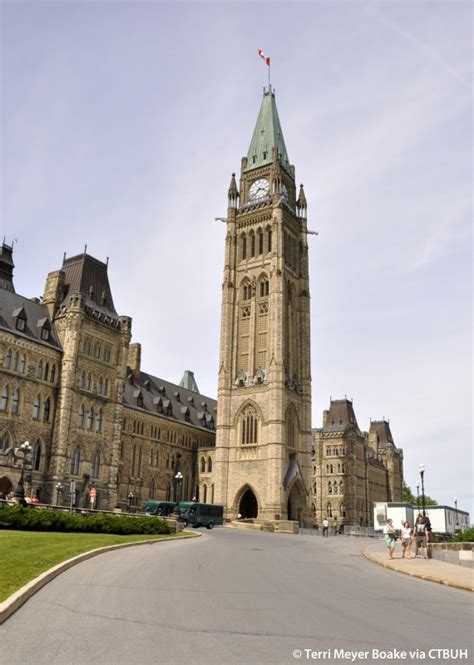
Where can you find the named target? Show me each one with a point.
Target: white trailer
(444, 519)
(399, 512)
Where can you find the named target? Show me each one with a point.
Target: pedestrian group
(420, 534)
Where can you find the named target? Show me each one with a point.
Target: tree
(409, 497)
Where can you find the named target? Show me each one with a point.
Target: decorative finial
(85, 249)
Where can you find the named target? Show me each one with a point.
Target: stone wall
(457, 553)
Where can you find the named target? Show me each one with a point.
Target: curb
(19, 598)
(463, 587)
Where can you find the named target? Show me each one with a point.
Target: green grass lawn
(26, 554)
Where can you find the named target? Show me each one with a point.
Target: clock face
(259, 189)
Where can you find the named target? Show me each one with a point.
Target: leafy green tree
(409, 497)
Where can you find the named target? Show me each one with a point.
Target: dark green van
(201, 514)
(158, 508)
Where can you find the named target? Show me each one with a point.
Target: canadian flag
(264, 57)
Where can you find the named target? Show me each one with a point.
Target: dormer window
(45, 329)
(19, 316)
(177, 396)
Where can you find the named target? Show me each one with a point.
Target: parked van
(201, 514)
(158, 508)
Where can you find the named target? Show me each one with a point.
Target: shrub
(466, 536)
(36, 519)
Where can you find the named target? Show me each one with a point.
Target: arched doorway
(248, 506)
(5, 486)
(296, 503)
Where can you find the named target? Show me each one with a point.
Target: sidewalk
(449, 574)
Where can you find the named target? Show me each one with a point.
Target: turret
(233, 193)
(301, 204)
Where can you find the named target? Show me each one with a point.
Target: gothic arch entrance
(6, 486)
(296, 503)
(248, 506)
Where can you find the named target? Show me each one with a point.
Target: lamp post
(418, 497)
(456, 507)
(422, 476)
(130, 497)
(25, 449)
(59, 490)
(178, 479)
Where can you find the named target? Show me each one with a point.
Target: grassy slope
(26, 554)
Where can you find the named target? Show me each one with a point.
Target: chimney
(134, 358)
(54, 291)
(325, 417)
(6, 267)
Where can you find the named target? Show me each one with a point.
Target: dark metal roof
(340, 416)
(86, 275)
(147, 393)
(382, 429)
(36, 317)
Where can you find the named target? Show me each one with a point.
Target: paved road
(233, 597)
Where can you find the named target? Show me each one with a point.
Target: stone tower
(263, 444)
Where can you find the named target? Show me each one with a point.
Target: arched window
(5, 442)
(46, 371)
(47, 410)
(260, 241)
(37, 407)
(80, 416)
(83, 380)
(4, 398)
(75, 461)
(252, 243)
(37, 455)
(246, 291)
(52, 378)
(329, 510)
(341, 487)
(95, 469)
(203, 465)
(39, 370)
(269, 240)
(209, 465)
(90, 419)
(98, 421)
(15, 360)
(89, 381)
(8, 359)
(249, 426)
(342, 510)
(204, 493)
(16, 401)
(264, 288)
(329, 487)
(23, 363)
(100, 386)
(152, 490)
(106, 387)
(139, 462)
(244, 246)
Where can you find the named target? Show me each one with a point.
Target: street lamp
(422, 476)
(25, 449)
(418, 497)
(59, 489)
(130, 498)
(456, 507)
(178, 479)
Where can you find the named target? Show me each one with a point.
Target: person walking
(406, 535)
(325, 527)
(389, 537)
(419, 533)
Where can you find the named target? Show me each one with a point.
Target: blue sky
(123, 121)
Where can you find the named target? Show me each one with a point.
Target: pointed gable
(267, 135)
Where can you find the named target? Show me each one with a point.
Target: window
(100, 386)
(249, 426)
(15, 360)
(244, 246)
(98, 421)
(20, 324)
(37, 455)
(16, 401)
(37, 407)
(82, 382)
(4, 398)
(329, 487)
(90, 419)
(80, 416)
(95, 465)
(209, 465)
(23, 363)
(8, 359)
(269, 240)
(264, 288)
(45, 333)
(75, 462)
(89, 381)
(39, 370)
(252, 244)
(260, 241)
(53, 374)
(5, 442)
(47, 410)
(46, 371)
(341, 487)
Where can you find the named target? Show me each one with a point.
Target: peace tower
(263, 444)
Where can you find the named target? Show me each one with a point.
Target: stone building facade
(351, 469)
(71, 385)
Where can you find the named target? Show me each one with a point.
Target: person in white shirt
(326, 527)
(406, 534)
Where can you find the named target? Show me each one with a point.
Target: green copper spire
(188, 381)
(267, 135)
